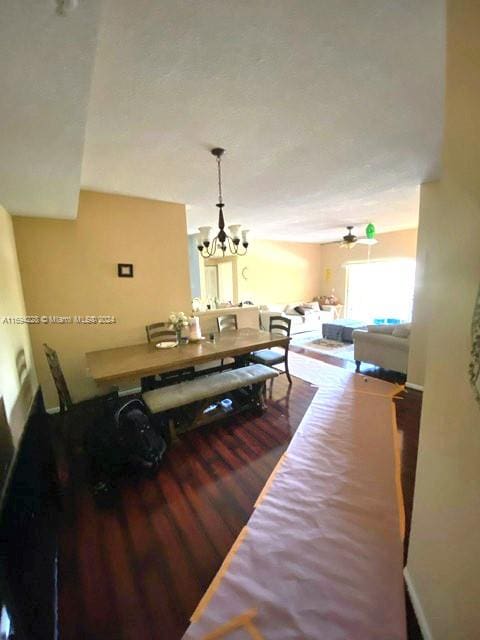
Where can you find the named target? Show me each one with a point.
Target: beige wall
(18, 382)
(422, 302)
(444, 557)
(397, 244)
(295, 271)
(280, 272)
(69, 267)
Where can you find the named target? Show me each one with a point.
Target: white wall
(444, 556)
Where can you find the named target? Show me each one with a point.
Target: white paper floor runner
(321, 557)
(333, 378)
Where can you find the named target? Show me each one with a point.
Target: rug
(314, 342)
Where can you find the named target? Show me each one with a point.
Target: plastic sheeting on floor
(321, 556)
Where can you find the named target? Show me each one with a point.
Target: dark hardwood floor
(137, 567)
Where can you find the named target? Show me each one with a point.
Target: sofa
(311, 319)
(385, 346)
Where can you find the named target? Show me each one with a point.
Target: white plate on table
(166, 345)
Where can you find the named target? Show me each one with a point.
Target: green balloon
(370, 231)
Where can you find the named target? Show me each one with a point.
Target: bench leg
(259, 392)
(357, 365)
(172, 431)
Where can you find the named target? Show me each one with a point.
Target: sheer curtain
(380, 289)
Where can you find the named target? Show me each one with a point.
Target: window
(380, 290)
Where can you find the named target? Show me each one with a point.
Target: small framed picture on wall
(125, 270)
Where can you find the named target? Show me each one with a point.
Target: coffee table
(341, 330)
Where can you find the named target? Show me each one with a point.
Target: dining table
(140, 360)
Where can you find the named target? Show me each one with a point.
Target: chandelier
(237, 242)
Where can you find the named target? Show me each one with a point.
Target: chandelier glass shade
(236, 241)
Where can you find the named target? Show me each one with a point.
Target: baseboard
(417, 607)
(412, 385)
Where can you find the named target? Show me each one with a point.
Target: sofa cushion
(277, 308)
(402, 330)
(296, 319)
(267, 356)
(379, 339)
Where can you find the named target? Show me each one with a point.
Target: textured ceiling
(331, 112)
(46, 64)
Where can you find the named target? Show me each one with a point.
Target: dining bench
(198, 401)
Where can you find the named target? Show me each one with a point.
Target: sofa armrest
(381, 328)
(326, 316)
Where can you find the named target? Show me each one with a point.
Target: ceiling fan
(350, 240)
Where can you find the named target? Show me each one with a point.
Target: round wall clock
(245, 273)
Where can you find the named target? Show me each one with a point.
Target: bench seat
(179, 395)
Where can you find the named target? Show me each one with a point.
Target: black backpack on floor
(143, 447)
(120, 440)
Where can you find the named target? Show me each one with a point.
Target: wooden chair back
(227, 322)
(280, 324)
(64, 397)
(160, 331)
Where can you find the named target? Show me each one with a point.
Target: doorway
(211, 281)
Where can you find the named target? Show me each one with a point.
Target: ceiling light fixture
(349, 240)
(222, 241)
(370, 232)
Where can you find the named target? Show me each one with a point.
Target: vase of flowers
(178, 321)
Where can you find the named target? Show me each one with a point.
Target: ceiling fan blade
(367, 241)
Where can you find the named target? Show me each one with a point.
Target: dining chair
(268, 357)
(65, 401)
(71, 426)
(227, 323)
(64, 398)
(163, 332)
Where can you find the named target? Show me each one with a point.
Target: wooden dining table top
(136, 361)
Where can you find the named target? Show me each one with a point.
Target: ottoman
(341, 330)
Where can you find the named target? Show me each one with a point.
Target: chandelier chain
(219, 165)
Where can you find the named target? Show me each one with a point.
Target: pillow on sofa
(313, 306)
(402, 330)
(300, 310)
(290, 309)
